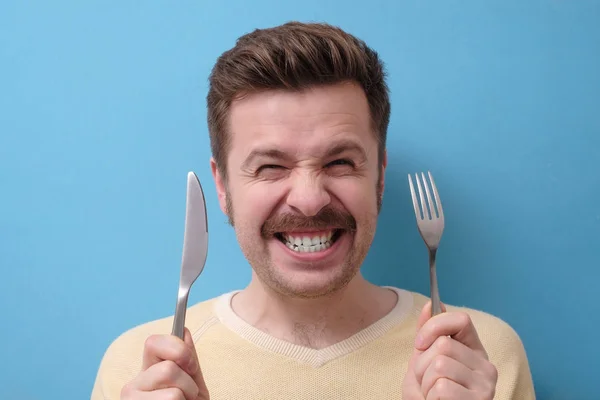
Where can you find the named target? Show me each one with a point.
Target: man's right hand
(170, 371)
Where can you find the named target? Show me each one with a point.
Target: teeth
(307, 244)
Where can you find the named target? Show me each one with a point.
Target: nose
(308, 195)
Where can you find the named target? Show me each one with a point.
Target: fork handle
(180, 309)
(436, 307)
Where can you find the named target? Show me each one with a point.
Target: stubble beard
(260, 260)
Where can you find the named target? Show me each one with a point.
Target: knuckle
(168, 370)
(463, 318)
(441, 386)
(127, 391)
(440, 364)
(173, 394)
(433, 325)
(149, 341)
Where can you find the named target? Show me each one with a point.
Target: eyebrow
(272, 154)
(344, 146)
(338, 148)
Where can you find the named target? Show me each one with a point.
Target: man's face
(303, 186)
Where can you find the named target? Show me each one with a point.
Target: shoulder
(491, 329)
(133, 340)
(122, 360)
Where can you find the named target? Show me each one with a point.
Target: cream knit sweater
(240, 362)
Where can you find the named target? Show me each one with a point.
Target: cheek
(358, 196)
(254, 203)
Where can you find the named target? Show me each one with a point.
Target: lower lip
(314, 256)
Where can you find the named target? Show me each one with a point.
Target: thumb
(426, 314)
(197, 371)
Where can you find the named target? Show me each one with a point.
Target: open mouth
(309, 242)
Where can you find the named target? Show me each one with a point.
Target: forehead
(307, 121)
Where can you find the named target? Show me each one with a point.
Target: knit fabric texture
(239, 361)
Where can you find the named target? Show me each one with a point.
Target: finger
(195, 370)
(131, 392)
(166, 375)
(164, 394)
(411, 389)
(455, 324)
(447, 389)
(426, 314)
(448, 347)
(168, 347)
(449, 368)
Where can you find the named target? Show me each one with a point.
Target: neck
(318, 322)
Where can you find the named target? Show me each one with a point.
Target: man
(298, 116)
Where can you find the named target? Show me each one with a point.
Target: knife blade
(195, 248)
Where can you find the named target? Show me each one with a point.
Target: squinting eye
(341, 162)
(268, 166)
(270, 171)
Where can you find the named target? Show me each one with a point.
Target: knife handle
(180, 309)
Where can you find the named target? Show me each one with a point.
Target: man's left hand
(449, 361)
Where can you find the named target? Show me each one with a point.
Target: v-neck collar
(314, 357)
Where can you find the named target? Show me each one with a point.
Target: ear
(220, 185)
(382, 174)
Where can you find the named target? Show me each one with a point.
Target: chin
(309, 287)
(308, 264)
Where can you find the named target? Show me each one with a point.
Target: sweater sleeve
(120, 364)
(506, 351)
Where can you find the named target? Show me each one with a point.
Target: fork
(431, 227)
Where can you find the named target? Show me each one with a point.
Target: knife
(195, 248)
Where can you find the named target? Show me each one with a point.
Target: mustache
(327, 218)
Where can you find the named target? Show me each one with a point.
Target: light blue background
(102, 114)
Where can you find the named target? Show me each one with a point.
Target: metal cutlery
(431, 226)
(195, 248)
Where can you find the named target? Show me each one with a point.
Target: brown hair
(293, 56)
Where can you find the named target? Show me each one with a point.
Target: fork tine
(414, 197)
(423, 205)
(429, 200)
(438, 202)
